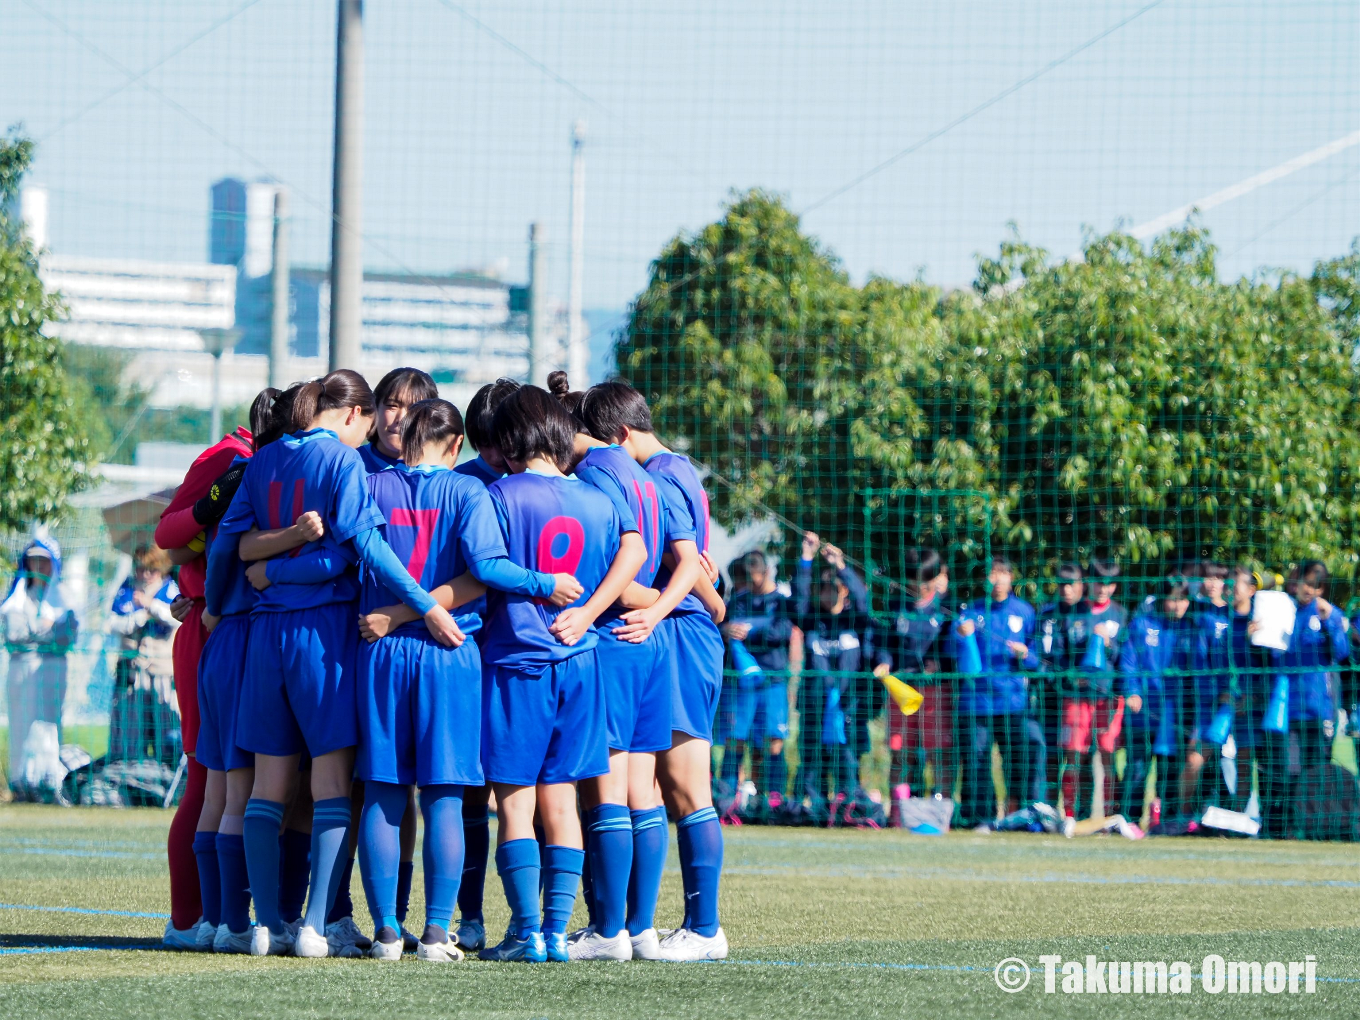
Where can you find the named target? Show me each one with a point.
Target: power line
(176, 51)
(1177, 216)
(986, 104)
(174, 104)
(570, 86)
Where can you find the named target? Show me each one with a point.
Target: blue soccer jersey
(635, 496)
(438, 522)
(375, 459)
(686, 505)
(480, 470)
(307, 471)
(554, 525)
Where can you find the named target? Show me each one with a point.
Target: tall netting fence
(1016, 344)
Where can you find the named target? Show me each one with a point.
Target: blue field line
(938, 967)
(37, 950)
(33, 851)
(1050, 878)
(81, 910)
(857, 964)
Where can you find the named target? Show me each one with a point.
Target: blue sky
(470, 107)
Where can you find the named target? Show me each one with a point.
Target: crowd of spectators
(1090, 705)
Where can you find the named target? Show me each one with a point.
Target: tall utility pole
(347, 192)
(577, 356)
(278, 326)
(538, 311)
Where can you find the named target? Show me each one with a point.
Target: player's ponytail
(481, 411)
(278, 421)
(532, 423)
(570, 399)
(426, 422)
(606, 408)
(342, 388)
(262, 411)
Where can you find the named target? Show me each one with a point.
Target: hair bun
(558, 385)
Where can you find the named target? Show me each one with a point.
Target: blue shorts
(696, 673)
(548, 728)
(420, 712)
(298, 693)
(221, 670)
(637, 690)
(758, 713)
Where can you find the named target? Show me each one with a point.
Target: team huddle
(394, 634)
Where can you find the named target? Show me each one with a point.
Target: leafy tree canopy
(45, 451)
(1129, 403)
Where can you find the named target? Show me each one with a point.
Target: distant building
(465, 328)
(140, 305)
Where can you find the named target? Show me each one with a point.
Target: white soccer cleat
(684, 945)
(594, 946)
(472, 934)
(389, 948)
(228, 941)
(311, 944)
(183, 939)
(439, 952)
(264, 942)
(345, 933)
(409, 942)
(204, 939)
(646, 945)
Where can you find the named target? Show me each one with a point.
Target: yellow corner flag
(908, 698)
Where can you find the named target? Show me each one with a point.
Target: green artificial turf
(822, 923)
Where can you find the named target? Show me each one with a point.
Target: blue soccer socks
(209, 878)
(561, 877)
(235, 888)
(476, 850)
(330, 850)
(442, 853)
(609, 844)
(342, 904)
(380, 849)
(651, 835)
(295, 868)
(518, 865)
(405, 872)
(699, 836)
(261, 840)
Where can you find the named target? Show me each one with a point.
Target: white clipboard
(1275, 612)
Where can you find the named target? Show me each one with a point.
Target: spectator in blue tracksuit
(1317, 648)
(1252, 669)
(993, 706)
(1158, 655)
(755, 710)
(837, 693)
(1202, 781)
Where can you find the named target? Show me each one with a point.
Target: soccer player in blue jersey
(486, 467)
(395, 393)
(616, 413)
(544, 717)
(420, 704)
(229, 599)
(298, 692)
(625, 878)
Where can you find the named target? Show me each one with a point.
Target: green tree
(764, 363)
(1137, 405)
(45, 452)
(1129, 403)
